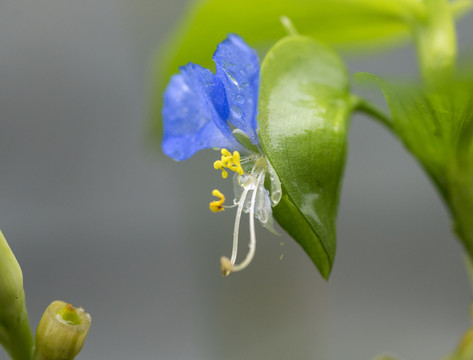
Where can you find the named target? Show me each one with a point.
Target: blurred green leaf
(435, 37)
(303, 112)
(464, 350)
(436, 41)
(386, 357)
(353, 24)
(436, 126)
(349, 24)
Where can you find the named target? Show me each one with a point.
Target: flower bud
(61, 332)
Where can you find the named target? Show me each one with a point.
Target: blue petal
(194, 104)
(238, 69)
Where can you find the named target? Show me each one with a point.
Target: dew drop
(239, 99)
(236, 111)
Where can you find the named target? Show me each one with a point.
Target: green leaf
(303, 110)
(436, 126)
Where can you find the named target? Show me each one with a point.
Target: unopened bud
(61, 332)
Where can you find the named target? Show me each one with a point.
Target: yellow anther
(236, 161)
(220, 165)
(217, 205)
(229, 161)
(225, 152)
(226, 266)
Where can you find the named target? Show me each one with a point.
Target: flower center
(251, 197)
(229, 161)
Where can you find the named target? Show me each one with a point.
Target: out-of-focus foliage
(349, 24)
(436, 41)
(464, 350)
(303, 109)
(436, 125)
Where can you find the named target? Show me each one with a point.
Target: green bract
(303, 113)
(436, 125)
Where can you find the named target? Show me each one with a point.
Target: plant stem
(16, 336)
(15, 333)
(366, 107)
(436, 42)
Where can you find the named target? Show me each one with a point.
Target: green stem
(288, 26)
(15, 333)
(366, 107)
(436, 42)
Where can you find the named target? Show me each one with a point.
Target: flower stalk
(15, 333)
(436, 42)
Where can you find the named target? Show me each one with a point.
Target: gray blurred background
(98, 217)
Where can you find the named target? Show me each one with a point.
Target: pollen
(217, 205)
(229, 161)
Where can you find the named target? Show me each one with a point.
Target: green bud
(61, 332)
(15, 333)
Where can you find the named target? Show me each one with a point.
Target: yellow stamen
(229, 161)
(217, 205)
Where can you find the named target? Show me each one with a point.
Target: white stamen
(259, 206)
(252, 245)
(241, 204)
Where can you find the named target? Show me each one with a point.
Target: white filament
(241, 204)
(252, 245)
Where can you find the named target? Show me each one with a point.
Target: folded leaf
(303, 109)
(436, 125)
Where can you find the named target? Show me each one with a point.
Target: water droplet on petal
(240, 99)
(236, 111)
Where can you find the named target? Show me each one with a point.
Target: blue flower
(205, 110)
(201, 108)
